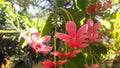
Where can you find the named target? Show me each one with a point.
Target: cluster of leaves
(12, 22)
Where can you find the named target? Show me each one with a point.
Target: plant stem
(55, 46)
(55, 15)
(10, 31)
(64, 42)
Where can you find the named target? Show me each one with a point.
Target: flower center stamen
(74, 38)
(34, 44)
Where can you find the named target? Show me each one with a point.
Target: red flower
(108, 4)
(94, 38)
(74, 40)
(117, 52)
(93, 27)
(36, 43)
(50, 63)
(93, 33)
(66, 55)
(93, 66)
(92, 8)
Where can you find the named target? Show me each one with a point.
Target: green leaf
(1, 1)
(77, 16)
(27, 21)
(76, 62)
(113, 34)
(60, 3)
(22, 43)
(82, 4)
(99, 48)
(71, 64)
(48, 26)
(74, 14)
(96, 50)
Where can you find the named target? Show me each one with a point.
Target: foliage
(50, 17)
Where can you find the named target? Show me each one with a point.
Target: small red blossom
(93, 66)
(92, 32)
(117, 52)
(66, 55)
(108, 4)
(36, 43)
(50, 63)
(74, 40)
(92, 8)
(94, 37)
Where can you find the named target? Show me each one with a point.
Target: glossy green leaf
(22, 43)
(71, 64)
(76, 62)
(113, 34)
(60, 3)
(48, 26)
(95, 52)
(1, 1)
(82, 4)
(77, 16)
(99, 48)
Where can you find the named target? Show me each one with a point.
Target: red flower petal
(90, 23)
(97, 25)
(26, 38)
(57, 53)
(47, 48)
(82, 30)
(66, 55)
(72, 54)
(80, 40)
(48, 64)
(108, 4)
(43, 49)
(63, 36)
(86, 66)
(71, 28)
(82, 46)
(95, 35)
(45, 39)
(95, 66)
(92, 8)
(94, 38)
(61, 62)
(71, 43)
(34, 35)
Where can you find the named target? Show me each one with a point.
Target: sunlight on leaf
(1, 1)
(106, 24)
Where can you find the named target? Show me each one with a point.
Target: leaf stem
(10, 31)
(55, 15)
(55, 46)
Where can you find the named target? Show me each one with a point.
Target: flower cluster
(93, 8)
(36, 43)
(51, 64)
(74, 39)
(93, 32)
